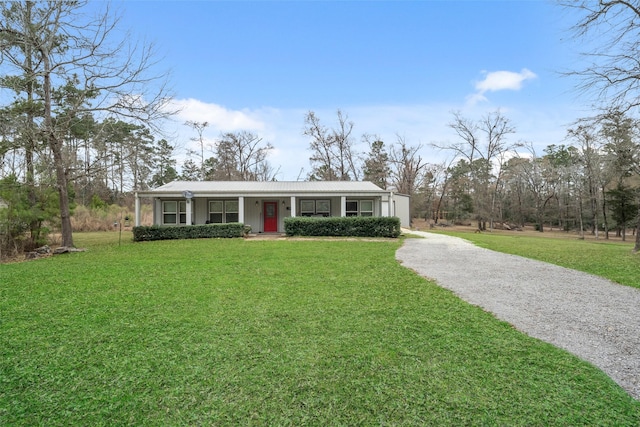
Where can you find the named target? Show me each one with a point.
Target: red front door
(270, 217)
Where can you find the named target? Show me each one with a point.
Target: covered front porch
(264, 205)
(262, 214)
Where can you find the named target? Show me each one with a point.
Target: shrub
(209, 231)
(354, 226)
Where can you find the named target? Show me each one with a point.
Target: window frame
(315, 207)
(179, 212)
(362, 212)
(358, 210)
(173, 212)
(227, 212)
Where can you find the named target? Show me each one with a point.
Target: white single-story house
(264, 205)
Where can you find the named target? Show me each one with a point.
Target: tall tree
(199, 127)
(612, 76)
(240, 156)
(165, 164)
(332, 152)
(588, 146)
(376, 162)
(483, 145)
(76, 65)
(406, 170)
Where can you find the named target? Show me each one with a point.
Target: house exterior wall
(401, 209)
(317, 198)
(253, 207)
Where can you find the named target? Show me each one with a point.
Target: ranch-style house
(265, 205)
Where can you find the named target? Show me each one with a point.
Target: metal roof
(263, 187)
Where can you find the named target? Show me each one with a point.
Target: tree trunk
(56, 150)
(636, 248)
(61, 183)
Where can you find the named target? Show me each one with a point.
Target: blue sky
(397, 68)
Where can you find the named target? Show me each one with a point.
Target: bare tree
(242, 156)
(612, 76)
(199, 127)
(406, 169)
(590, 159)
(77, 68)
(541, 178)
(332, 155)
(483, 145)
(321, 148)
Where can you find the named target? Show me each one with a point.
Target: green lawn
(610, 259)
(288, 332)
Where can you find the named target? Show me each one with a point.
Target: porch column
(293, 205)
(137, 209)
(241, 209)
(343, 206)
(188, 212)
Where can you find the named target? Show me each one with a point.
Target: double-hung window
(315, 207)
(174, 212)
(223, 211)
(359, 208)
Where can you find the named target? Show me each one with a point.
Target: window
(231, 211)
(323, 207)
(359, 208)
(352, 208)
(216, 212)
(182, 210)
(223, 211)
(315, 208)
(172, 210)
(169, 212)
(366, 207)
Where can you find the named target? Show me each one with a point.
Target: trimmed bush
(354, 226)
(209, 231)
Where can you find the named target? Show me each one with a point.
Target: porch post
(188, 212)
(343, 206)
(137, 209)
(241, 209)
(293, 205)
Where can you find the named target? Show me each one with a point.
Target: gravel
(591, 317)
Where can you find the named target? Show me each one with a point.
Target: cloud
(499, 80)
(418, 124)
(218, 117)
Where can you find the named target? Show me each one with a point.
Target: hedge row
(356, 226)
(155, 232)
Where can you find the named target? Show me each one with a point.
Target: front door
(270, 217)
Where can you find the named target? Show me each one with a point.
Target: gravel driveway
(593, 318)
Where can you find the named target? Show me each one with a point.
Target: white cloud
(418, 124)
(218, 117)
(499, 80)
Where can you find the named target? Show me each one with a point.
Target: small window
(359, 208)
(183, 212)
(307, 207)
(323, 207)
(231, 211)
(315, 208)
(352, 208)
(223, 211)
(174, 212)
(366, 207)
(216, 210)
(169, 212)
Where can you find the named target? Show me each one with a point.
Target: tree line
(83, 109)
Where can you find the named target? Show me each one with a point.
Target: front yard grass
(610, 259)
(293, 332)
